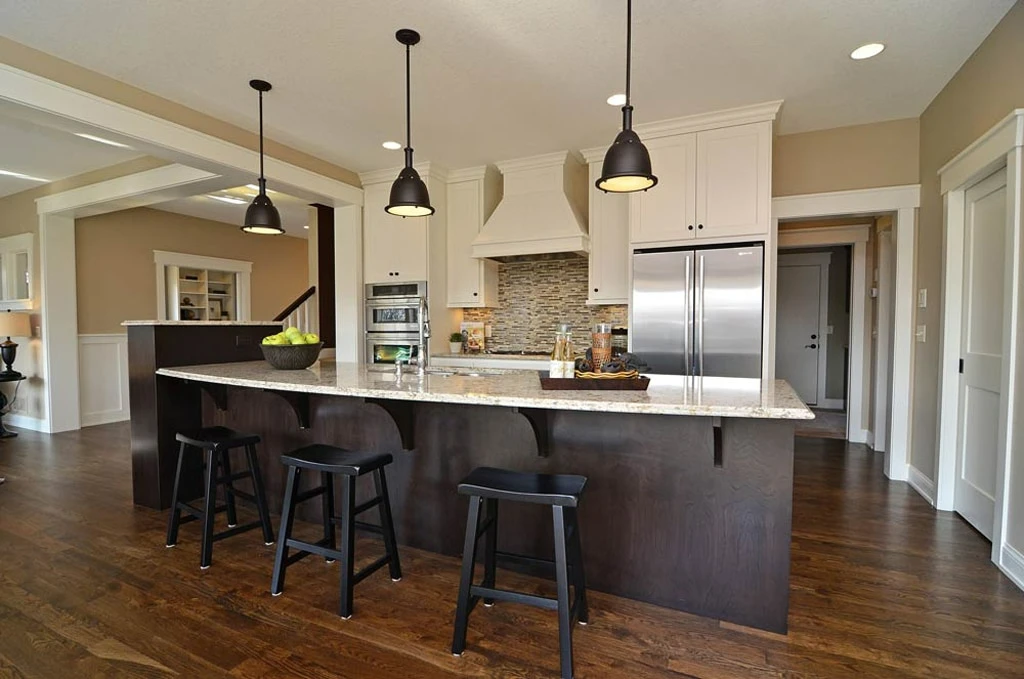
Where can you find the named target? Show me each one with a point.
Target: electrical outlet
(922, 333)
(922, 298)
(830, 329)
(874, 292)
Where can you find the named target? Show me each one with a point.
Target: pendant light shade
(262, 217)
(409, 195)
(627, 164)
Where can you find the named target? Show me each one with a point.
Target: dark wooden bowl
(291, 356)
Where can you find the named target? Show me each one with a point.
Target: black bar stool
(486, 485)
(217, 443)
(329, 460)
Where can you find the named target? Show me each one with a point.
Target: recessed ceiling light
(306, 226)
(18, 175)
(391, 145)
(617, 100)
(254, 187)
(228, 199)
(867, 51)
(92, 137)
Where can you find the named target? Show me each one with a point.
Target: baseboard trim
(921, 483)
(25, 422)
(832, 404)
(859, 435)
(1012, 564)
(109, 417)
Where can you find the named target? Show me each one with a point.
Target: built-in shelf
(200, 288)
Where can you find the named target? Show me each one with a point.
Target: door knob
(810, 346)
(814, 337)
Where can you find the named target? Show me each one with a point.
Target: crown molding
(426, 169)
(467, 174)
(742, 115)
(537, 162)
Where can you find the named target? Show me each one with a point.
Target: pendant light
(409, 196)
(627, 164)
(262, 217)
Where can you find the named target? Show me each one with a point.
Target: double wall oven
(392, 321)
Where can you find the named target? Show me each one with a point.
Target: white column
(59, 313)
(348, 277)
(905, 227)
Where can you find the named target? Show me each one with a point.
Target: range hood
(543, 210)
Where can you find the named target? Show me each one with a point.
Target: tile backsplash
(534, 297)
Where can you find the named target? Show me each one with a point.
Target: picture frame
(216, 309)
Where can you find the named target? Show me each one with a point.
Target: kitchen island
(689, 499)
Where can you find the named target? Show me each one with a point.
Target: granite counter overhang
(667, 395)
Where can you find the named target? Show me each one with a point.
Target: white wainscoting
(103, 366)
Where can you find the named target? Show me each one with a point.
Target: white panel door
(733, 193)
(982, 349)
(667, 212)
(796, 342)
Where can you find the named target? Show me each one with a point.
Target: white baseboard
(25, 422)
(870, 440)
(858, 435)
(1012, 564)
(921, 483)
(832, 404)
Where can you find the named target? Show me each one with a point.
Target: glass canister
(601, 344)
(556, 368)
(568, 352)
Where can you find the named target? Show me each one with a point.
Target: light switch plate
(922, 333)
(922, 298)
(874, 292)
(830, 329)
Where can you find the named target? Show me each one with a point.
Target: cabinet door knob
(700, 226)
(690, 227)
(474, 294)
(595, 289)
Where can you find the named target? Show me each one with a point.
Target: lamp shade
(262, 217)
(409, 195)
(627, 165)
(14, 325)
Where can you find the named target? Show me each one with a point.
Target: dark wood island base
(672, 517)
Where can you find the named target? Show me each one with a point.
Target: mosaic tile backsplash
(534, 297)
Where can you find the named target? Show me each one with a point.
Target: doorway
(813, 339)
(981, 365)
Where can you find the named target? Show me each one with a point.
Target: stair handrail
(299, 301)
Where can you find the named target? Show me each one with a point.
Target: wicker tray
(604, 383)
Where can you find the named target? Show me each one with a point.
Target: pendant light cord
(263, 181)
(408, 105)
(629, 44)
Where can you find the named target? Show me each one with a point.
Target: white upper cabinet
(733, 181)
(668, 211)
(609, 240)
(714, 178)
(473, 194)
(394, 248)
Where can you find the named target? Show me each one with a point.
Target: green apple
(276, 340)
(292, 331)
(312, 338)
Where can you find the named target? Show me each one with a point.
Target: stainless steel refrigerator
(699, 311)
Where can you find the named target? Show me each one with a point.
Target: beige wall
(50, 67)
(987, 87)
(843, 158)
(116, 272)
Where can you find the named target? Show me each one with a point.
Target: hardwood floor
(882, 586)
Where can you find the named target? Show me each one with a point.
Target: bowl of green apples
(291, 349)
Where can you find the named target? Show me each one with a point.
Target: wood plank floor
(882, 586)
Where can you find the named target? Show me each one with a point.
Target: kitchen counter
(667, 395)
(129, 324)
(689, 500)
(501, 361)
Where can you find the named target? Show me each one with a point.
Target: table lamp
(12, 325)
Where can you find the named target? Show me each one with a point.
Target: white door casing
(981, 349)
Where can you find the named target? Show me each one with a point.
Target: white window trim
(10, 245)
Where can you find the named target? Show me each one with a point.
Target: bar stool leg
(348, 545)
(387, 525)
(562, 582)
(175, 519)
(579, 578)
(466, 581)
(229, 487)
(260, 493)
(210, 509)
(327, 480)
(490, 547)
(287, 520)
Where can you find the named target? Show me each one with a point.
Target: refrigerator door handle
(687, 316)
(699, 316)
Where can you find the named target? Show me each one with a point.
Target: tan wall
(116, 272)
(52, 68)
(844, 158)
(987, 88)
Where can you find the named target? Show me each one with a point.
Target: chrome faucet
(421, 346)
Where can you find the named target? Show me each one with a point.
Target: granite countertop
(495, 357)
(130, 323)
(667, 395)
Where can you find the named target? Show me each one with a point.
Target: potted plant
(455, 343)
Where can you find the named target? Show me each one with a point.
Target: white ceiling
(47, 152)
(294, 212)
(500, 79)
